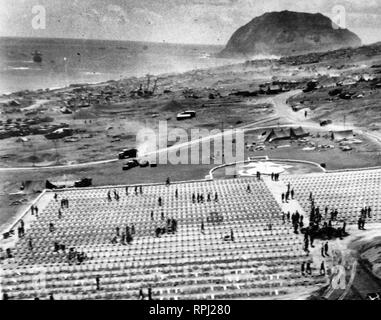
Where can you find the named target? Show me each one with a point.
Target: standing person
(160, 201)
(141, 189)
(292, 194)
(306, 245)
(98, 280)
(126, 190)
(141, 294)
(359, 223)
(231, 235)
(152, 218)
(308, 268)
(168, 182)
(283, 197)
(176, 193)
(322, 250)
(202, 227)
(301, 223)
(149, 293)
(55, 196)
(303, 268)
(326, 249)
(30, 244)
(312, 237)
(322, 269)
(216, 197)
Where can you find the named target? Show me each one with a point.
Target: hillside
(288, 33)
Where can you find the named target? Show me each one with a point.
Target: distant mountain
(288, 33)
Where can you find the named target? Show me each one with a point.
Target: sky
(174, 21)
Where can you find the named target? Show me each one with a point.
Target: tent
(298, 133)
(286, 134)
(278, 134)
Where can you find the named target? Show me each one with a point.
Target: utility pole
(223, 138)
(55, 147)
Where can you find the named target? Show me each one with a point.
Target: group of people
(21, 229)
(275, 176)
(142, 295)
(324, 249)
(306, 268)
(199, 198)
(112, 194)
(297, 221)
(75, 257)
(64, 203)
(115, 194)
(125, 237)
(309, 238)
(170, 227)
(319, 224)
(137, 190)
(289, 193)
(365, 213)
(34, 210)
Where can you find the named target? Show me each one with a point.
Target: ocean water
(68, 61)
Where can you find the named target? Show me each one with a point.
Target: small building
(342, 135)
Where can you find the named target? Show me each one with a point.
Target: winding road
(282, 111)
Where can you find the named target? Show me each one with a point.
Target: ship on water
(37, 56)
